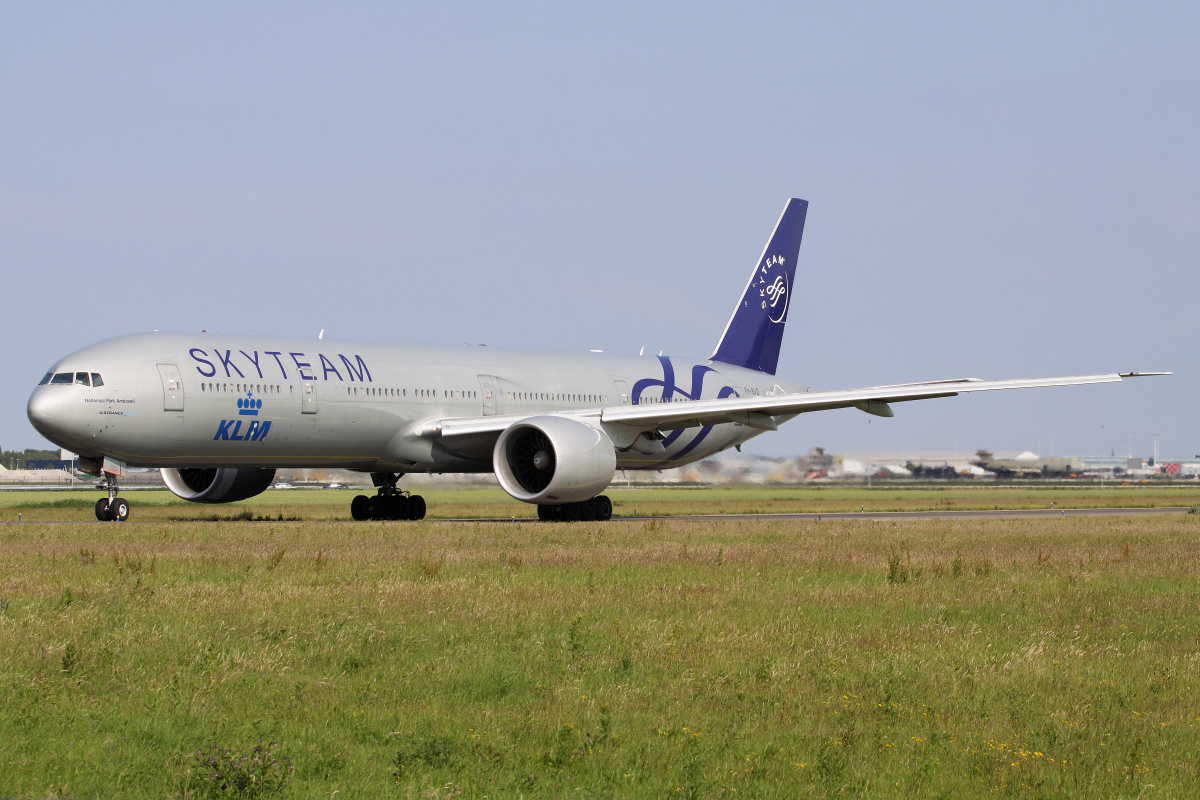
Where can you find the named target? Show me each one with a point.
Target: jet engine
(217, 485)
(551, 460)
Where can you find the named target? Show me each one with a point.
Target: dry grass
(1050, 657)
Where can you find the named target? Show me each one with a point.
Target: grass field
(159, 505)
(718, 658)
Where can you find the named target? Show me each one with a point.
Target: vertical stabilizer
(755, 330)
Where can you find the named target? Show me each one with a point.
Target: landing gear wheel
(102, 509)
(603, 508)
(598, 508)
(118, 510)
(399, 507)
(416, 507)
(360, 508)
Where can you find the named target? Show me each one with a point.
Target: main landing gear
(112, 508)
(389, 503)
(598, 508)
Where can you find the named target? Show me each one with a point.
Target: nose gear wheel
(112, 508)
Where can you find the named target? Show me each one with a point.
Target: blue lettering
(195, 350)
(223, 430)
(276, 354)
(356, 372)
(227, 362)
(328, 366)
(300, 365)
(230, 430)
(253, 361)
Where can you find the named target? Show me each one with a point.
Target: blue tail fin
(755, 331)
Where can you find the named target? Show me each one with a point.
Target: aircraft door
(622, 392)
(308, 397)
(487, 387)
(172, 387)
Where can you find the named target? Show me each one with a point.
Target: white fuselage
(204, 400)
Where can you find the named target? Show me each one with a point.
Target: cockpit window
(46, 379)
(97, 380)
(63, 377)
(82, 379)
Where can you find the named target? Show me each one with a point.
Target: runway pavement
(1029, 513)
(1032, 513)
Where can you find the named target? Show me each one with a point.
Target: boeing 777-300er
(218, 415)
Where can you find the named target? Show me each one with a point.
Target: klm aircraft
(217, 415)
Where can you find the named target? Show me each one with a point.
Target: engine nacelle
(554, 460)
(217, 485)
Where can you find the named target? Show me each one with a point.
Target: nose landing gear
(389, 504)
(112, 508)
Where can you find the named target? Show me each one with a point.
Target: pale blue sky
(1006, 190)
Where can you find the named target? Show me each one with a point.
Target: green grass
(491, 503)
(659, 658)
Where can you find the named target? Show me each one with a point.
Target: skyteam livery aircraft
(219, 414)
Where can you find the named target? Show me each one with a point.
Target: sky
(997, 191)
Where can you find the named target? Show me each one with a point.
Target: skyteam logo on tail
(755, 330)
(230, 430)
(773, 288)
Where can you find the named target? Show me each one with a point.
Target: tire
(118, 510)
(360, 508)
(416, 507)
(398, 507)
(587, 510)
(102, 509)
(603, 508)
(547, 513)
(569, 512)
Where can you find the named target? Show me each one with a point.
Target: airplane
(219, 414)
(1029, 467)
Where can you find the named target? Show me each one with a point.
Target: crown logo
(248, 406)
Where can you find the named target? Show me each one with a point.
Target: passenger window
(62, 377)
(46, 379)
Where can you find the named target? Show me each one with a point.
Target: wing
(475, 435)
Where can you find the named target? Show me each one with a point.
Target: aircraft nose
(45, 410)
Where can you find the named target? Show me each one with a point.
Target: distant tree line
(14, 459)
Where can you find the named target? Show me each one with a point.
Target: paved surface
(1030, 513)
